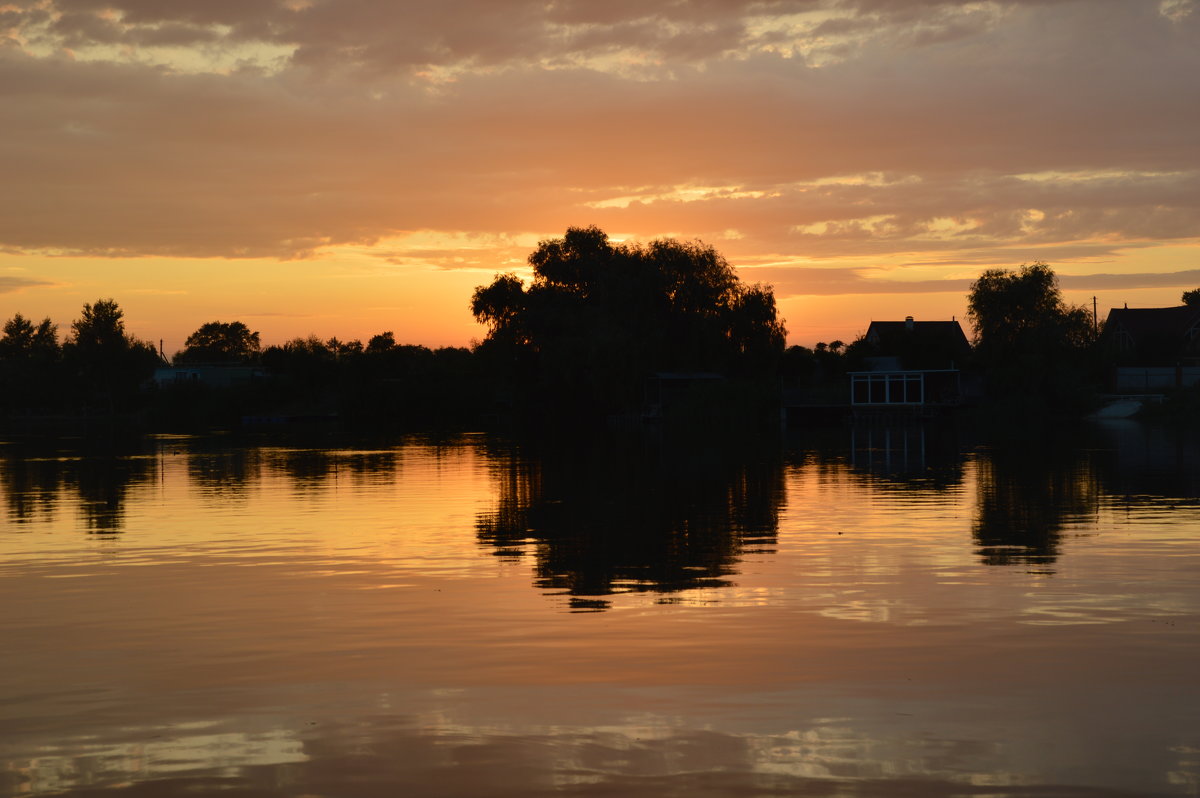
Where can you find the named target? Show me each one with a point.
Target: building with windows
(1154, 349)
(911, 364)
(1154, 336)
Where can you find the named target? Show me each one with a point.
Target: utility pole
(1095, 318)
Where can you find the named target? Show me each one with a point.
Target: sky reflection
(899, 614)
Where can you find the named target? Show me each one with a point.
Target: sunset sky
(344, 167)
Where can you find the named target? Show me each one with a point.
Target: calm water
(866, 612)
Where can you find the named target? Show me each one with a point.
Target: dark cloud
(1099, 282)
(9, 284)
(832, 282)
(948, 104)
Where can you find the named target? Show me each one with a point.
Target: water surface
(861, 612)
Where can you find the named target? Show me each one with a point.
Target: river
(857, 611)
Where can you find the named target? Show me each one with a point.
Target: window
(887, 389)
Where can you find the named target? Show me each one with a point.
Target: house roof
(1143, 323)
(950, 330)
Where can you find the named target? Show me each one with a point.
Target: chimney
(908, 323)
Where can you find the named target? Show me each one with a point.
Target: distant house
(1155, 349)
(911, 363)
(211, 376)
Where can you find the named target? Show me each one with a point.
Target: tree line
(99, 368)
(579, 340)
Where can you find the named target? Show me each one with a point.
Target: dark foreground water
(864, 612)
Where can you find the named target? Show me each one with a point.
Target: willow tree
(1028, 338)
(598, 317)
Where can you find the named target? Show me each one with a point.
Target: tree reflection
(634, 515)
(228, 473)
(1028, 496)
(312, 469)
(103, 481)
(101, 475)
(31, 486)
(308, 469)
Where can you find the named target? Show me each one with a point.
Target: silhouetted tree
(342, 349)
(598, 318)
(1191, 298)
(382, 342)
(220, 342)
(29, 364)
(109, 363)
(1015, 312)
(1031, 342)
(307, 359)
(23, 339)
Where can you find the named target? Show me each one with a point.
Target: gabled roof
(949, 329)
(1159, 323)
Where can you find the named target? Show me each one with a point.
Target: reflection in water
(427, 755)
(30, 487)
(310, 619)
(1143, 463)
(227, 472)
(924, 456)
(1028, 496)
(634, 515)
(103, 489)
(315, 469)
(308, 469)
(98, 482)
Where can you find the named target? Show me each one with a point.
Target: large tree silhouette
(1033, 344)
(220, 342)
(597, 318)
(29, 361)
(110, 363)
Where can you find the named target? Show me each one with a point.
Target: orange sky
(344, 167)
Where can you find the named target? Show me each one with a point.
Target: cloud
(1099, 282)
(9, 285)
(799, 281)
(983, 130)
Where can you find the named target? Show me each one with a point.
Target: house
(1154, 349)
(1154, 336)
(912, 344)
(210, 375)
(911, 364)
(913, 387)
